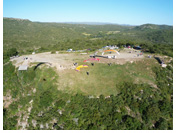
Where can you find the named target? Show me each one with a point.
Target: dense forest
(137, 106)
(35, 97)
(27, 36)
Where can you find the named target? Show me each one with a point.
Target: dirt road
(65, 61)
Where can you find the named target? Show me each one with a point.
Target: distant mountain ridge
(25, 34)
(148, 26)
(153, 26)
(18, 19)
(98, 23)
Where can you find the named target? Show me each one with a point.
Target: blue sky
(134, 12)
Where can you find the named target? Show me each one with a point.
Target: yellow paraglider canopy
(81, 66)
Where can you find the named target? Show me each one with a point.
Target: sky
(133, 12)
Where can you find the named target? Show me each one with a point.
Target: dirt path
(60, 61)
(65, 61)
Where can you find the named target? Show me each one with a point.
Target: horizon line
(81, 22)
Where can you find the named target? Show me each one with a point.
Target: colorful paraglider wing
(81, 66)
(91, 59)
(98, 59)
(110, 51)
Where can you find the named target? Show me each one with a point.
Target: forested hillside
(136, 95)
(37, 104)
(27, 36)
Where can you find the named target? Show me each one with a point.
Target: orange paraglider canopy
(111, 51)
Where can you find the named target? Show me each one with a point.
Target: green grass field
(104, 79)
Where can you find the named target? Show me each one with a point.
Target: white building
(22, 67)
(69, 50)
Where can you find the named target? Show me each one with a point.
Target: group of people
(75, 64)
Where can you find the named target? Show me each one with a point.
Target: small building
(69, 50)
(137, 47)
(22, 67)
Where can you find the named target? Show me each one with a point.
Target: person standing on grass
(87, 73)
(109, 64)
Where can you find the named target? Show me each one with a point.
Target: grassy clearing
(104, 79)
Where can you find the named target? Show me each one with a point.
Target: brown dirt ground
(65, 61)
